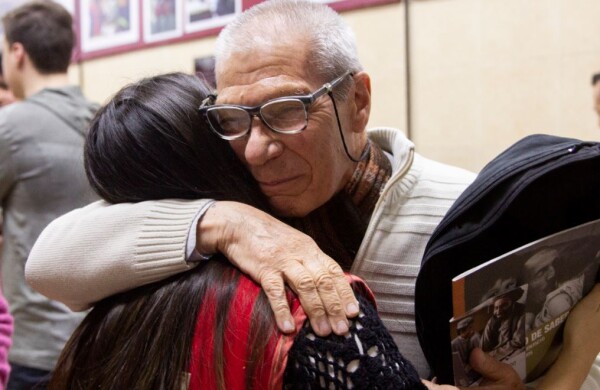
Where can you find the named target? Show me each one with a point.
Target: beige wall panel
(380, 40)
(490, 72)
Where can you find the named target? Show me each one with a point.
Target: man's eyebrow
(296, 91)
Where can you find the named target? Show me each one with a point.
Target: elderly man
(293, 101)
(41, 175)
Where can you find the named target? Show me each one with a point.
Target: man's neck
(35, 82)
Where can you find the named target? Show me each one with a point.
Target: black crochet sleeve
(366, 358)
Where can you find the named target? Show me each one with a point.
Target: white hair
(330, 41)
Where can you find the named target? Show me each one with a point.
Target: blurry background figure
(41, 175)
(596, 89)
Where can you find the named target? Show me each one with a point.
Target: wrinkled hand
(497, 375)
(273, 254)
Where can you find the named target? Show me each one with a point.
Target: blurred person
(211, 327)
(41, 174)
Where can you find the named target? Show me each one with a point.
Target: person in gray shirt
(41, 174)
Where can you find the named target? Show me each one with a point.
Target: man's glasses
(285, 115)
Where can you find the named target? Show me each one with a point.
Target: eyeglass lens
(285, 115)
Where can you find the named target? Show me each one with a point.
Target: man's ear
(362, 101)
(17, 54)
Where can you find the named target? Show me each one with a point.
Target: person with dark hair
(41, 174)
(211, 328)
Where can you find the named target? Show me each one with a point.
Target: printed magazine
(514, 306)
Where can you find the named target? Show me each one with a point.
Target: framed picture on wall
(207, 14)
(107, 27)
(162, 19)
(105, 24)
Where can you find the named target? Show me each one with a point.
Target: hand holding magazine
(514, 307)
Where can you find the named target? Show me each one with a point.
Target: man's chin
(291, 208)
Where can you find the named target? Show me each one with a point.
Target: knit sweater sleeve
(365, 358)
(101, 249)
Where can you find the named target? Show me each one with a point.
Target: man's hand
(497, 375)
(272, 254)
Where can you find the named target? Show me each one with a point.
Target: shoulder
(405, 159)
(14, 118)
(17, 112)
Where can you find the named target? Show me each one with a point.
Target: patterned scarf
(339, 226)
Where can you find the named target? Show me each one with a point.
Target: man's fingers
(343, 288)
(332, 303)
(304, 285)
(334, 290)
(274, 288)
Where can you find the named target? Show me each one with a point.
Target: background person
(41, 174)
(213, 322)
(596, 94)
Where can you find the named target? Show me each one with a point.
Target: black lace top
(365, 358)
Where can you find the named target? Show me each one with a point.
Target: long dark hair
(149, 142)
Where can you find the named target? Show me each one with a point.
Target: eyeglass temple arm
(209, 101)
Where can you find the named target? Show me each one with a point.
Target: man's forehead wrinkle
(252, 92)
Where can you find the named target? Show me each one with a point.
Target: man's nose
(263, 144)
